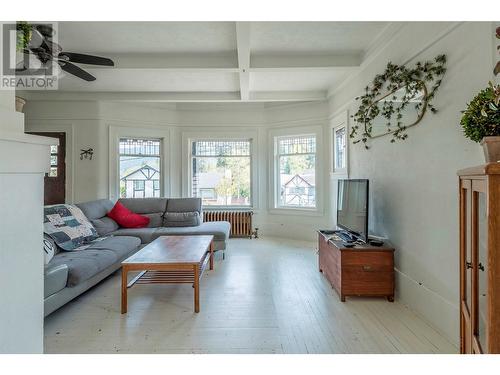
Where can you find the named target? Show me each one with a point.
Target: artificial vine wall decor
(394, 78)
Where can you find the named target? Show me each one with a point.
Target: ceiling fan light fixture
(56, 69)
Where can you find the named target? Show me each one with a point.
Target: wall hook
(87, 154)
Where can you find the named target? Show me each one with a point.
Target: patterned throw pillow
(49, 248)
(68, 227)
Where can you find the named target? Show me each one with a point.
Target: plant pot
(20, 102)
(491, 148)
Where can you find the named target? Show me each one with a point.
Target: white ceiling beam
(241, 62)
(270, 62)
(180, 62)
(243, 47)
(167, 97)
(134, 96)
(287, 96)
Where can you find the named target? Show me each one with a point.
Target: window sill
(227, 208)
(339, 175)
(296, 211)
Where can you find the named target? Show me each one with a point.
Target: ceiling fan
(43, 48)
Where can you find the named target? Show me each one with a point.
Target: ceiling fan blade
(76, 71)
(86, 59)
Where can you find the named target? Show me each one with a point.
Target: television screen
(352, 207)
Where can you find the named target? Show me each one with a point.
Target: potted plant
(481, 121)
(24, 33)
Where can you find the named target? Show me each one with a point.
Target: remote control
(375, 242)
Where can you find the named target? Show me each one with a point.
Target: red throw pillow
(126, 218)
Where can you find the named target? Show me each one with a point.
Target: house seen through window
(340, 141)
(296, 161)
(140, 174)
(53, 161)
(221, 172)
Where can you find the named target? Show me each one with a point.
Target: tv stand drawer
(367, 281)
(373, 259)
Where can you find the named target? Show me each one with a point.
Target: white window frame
(274, 188)
(220, 135)
(143, 181)
(117, 132)
(338, 122)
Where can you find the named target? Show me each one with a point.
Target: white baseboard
(433, 308)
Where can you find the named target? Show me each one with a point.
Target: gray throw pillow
(105, 225)
(182, 219)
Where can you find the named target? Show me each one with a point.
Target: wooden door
(55, 180)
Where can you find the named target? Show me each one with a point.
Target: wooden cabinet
(479, 199)
(363, 270)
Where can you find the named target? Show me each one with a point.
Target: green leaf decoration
(23, 35)
(393, 78)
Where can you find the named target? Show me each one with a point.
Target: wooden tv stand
(362, 270)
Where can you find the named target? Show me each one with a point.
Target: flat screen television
(352, 207)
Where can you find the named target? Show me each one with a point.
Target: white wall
(22, 163)
(414, 183)
(91, 124)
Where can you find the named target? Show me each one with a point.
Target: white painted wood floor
(266, 297)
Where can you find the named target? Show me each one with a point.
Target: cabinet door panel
(482, 271)
(466, 327)
(465, 243)
(479, 232)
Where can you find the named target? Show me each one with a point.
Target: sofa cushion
(55, 278)
(145, 205)
(181, 219)
(127, 218)
(144, 234)
(96, 209)
(104, 225)
(68, 226)
(219, 229)
(121, 246)
(96, 212)
(155, 220)
(184, 205)
(154, 208)
(84, 264)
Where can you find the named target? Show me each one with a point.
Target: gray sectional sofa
(69, 273)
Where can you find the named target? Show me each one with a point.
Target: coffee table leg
(196, 289)
(211, 255)
(124, 289)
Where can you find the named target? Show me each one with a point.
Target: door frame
(61, 164)
(69, 129)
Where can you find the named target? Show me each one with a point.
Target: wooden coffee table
(170, 260)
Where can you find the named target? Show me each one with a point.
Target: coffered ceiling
(215, 61)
